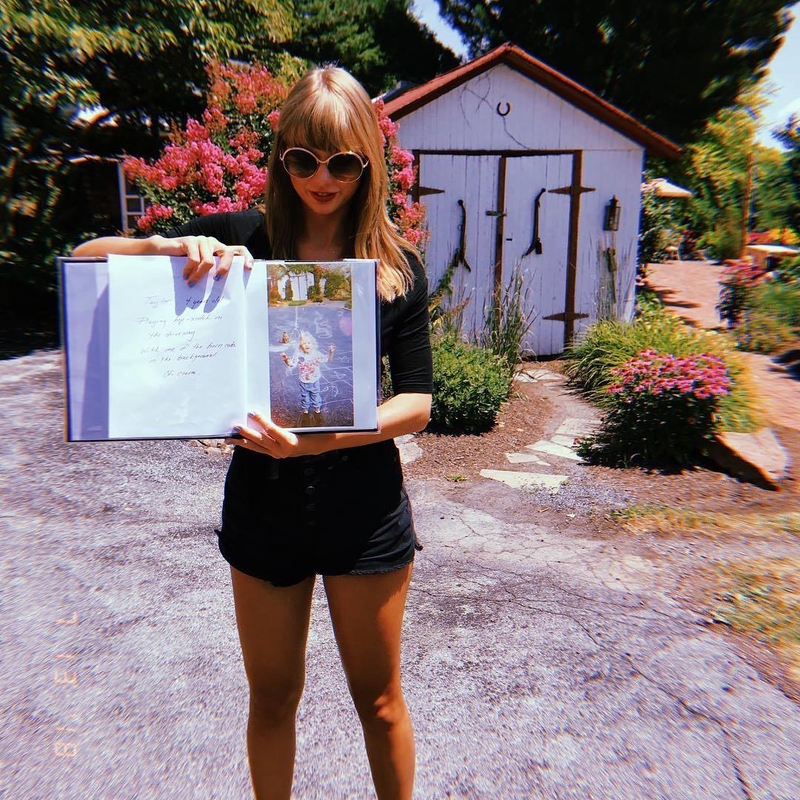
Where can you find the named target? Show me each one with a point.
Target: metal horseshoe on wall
(506, 108)
(536, 242)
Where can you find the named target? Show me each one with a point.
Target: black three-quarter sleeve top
(405, 337)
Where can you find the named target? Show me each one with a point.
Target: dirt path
(691, 290)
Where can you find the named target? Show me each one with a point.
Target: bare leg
(367, 615)
(273, 627)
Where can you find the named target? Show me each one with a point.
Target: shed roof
(516, 58)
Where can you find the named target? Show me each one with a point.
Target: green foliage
(656, 221)
(608, 345)
(288, 291)
(671, 64)
(738, 282)
(314, 294)
(379, 41)
(775, 191)
(715, 169)
(789, 137)
(507, 321)
(771, 322)
(337, 286)
(141, 62)
(790, 269)
(470, 385)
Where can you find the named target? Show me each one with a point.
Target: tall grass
(507, 321)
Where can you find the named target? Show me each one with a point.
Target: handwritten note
(178, 353)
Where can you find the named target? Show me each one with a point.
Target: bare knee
(382, 711)
(274, 703)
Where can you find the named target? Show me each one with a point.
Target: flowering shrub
(219, 163)
(739, 279)
(660, 409)
(409, 217)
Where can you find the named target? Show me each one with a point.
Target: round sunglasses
(345, 167)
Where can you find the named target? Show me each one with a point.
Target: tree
(671, 64)
(379, 41)
(774, 199)
(141, 62)
(716, 168)
(789, 137)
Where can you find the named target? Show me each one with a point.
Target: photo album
(149, 357)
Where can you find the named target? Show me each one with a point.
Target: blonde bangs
(324, 125)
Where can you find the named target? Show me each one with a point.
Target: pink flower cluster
(701, 377)
(219, 163)
(407, 215)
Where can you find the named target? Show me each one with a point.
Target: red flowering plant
(660, 409)
(738, 280)
(219, 163)
(407, 215)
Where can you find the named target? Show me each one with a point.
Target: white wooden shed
(519, 165)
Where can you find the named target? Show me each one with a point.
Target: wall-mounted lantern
(611, 220)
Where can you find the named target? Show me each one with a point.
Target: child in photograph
(308, 359)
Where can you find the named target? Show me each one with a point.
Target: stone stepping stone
(525, 458)
(553, 449)
(408, 448)
(577, 426)
(526, 480)
(544, 375)
(564, 441)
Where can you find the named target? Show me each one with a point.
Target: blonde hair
(329, 110)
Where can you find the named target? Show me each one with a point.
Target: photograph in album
(311, 344)
(148, 357)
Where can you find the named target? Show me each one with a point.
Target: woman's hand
(200, 252)
(267, 437)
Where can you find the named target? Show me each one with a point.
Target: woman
(331, 504)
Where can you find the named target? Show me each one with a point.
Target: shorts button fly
(311, 507)
(311, 489)
(308, 472)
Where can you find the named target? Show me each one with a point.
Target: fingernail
(191, 283)
(218, 277)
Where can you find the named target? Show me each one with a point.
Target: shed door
(480, 214)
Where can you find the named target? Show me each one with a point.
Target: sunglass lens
(345, 167)
(299, 163)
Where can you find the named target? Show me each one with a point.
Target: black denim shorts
(341, 513)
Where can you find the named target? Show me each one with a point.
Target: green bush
(607, 345)
(469, 386)
(771, 322)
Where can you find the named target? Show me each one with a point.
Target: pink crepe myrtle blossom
(219, 162)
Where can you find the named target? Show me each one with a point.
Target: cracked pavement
(537, 662)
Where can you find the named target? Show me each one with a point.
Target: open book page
(177, 353)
